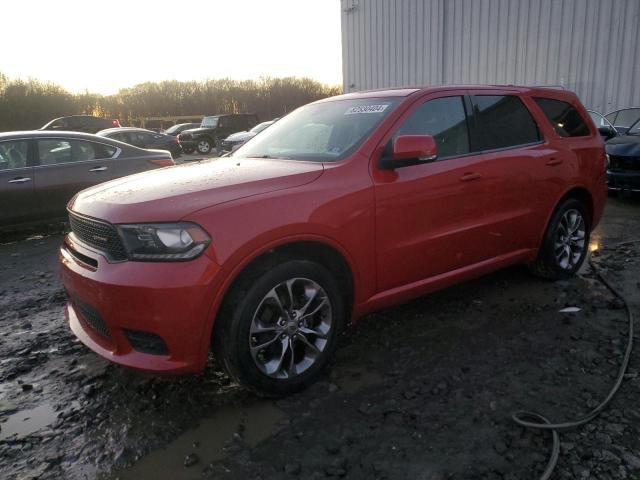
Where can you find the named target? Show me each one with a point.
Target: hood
(195, 131)
(234, 137)
(169, 194)
(624, 145)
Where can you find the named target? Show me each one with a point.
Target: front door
(17, 200)
(428, 216)
(67, 165)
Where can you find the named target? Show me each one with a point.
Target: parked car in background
(213, 129)
(345, 206)
(235, 140)
(623, 119)
(605, 128)
(41, 171)
(143, 138)
(178, 128)
(623, 172)
(81, 123)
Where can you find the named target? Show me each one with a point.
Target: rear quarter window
(565, 119)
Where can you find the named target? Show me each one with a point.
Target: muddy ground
(420, 391)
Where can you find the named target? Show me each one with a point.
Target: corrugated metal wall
(589, 46)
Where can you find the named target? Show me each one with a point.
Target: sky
(102, 46)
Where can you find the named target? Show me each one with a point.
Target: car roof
(48, 134)
(230, 115)
(125, 129)
(407, 91)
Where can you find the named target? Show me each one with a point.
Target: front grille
(93, 318)
(617, 162)
(100, 235)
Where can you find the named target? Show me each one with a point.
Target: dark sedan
(41, 170)
(140, 137)
(623, 172)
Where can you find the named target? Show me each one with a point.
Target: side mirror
(607, 132)
(411, 150)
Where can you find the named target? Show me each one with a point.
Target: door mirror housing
(411, 150)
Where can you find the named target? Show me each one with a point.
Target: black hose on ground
(540, 422)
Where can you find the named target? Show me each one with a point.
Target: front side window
(13, 154)
(565, 119)
(445, 120)
(326, 131)
(501, 121)
(56, 151)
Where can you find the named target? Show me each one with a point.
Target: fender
(240, 261)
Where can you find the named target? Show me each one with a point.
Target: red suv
(345, 206)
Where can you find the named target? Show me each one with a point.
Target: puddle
(210, 437)
(352, 380)
(25, 422)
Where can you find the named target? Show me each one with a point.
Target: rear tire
(565, 243)
(278, 328)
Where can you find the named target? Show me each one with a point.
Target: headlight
(163, 242)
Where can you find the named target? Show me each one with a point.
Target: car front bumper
(623, 181)
(112, 306)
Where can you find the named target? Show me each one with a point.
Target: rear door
(512, 160)
(64, 166)
(17, 199)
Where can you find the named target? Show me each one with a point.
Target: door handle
(467, 177)
(98, 169)
(554, 161)
(20, 180)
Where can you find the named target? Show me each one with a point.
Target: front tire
(279, 327)
(566, 242)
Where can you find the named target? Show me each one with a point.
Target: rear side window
(565, 119)
(501, 121)
(54, 151)
(445, 120)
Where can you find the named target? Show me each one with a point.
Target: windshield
(324, 132)
(261, 126)
(209, 122)
(634, 129)
(599, 119)
(175, 128)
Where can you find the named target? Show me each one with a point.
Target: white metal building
(589, 46)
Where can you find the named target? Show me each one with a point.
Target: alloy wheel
(290, 328)
(570, 240)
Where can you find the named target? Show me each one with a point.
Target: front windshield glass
(173, 128)
(599, 119)
(324, 132)
(209, 122)
(634, 129)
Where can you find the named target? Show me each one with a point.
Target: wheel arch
(578, 192)
(319, 249)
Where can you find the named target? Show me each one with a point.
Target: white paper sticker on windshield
(366, 109)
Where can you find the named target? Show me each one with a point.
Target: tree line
(29, 104)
